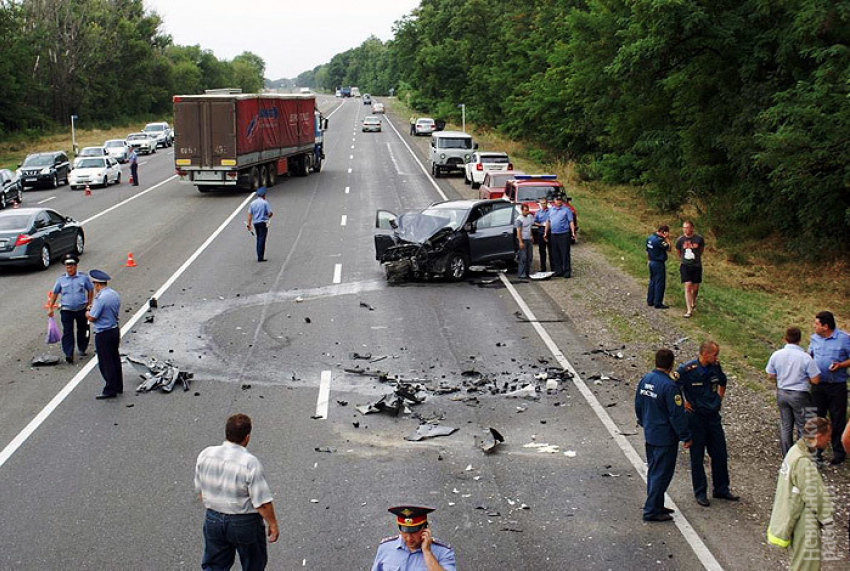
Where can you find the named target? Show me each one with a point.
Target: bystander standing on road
(134, 166)
(413, 124)
(690, 247)
(413, 549)
(703, 383)
(525, 254)
(560, 230)
(830, 348)
(657, 246)
(103, 316)
(794, 372)
(77, 292)
(259, 214)
(232, 485)
(802, 506)
(539, 227)
(659, 409)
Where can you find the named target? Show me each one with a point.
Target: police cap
(411, 519)
(71, 260)
(99, 276)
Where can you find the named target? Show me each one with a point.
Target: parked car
(87, 152)
(372, 123)
(425, 126)
(142, 142)
(482, 162)
(10, 188)
(44, 169)
(530, 188)
(118, 149)
(377, 107)
(450, 151)
(95, 170)
(445, 239)
(367, 99)
(494, 183)
(160, 132)
(37, 236)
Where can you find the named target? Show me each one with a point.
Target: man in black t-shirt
(690, 247)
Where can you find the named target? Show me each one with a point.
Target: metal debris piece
(326, 449)
(378, 358)
(541, 275)
(489, 442)
(44, 361)
(153, 303)
(308, 320)
(528, 390)
(367, 306)
(160, 375)
(424, 431)
(342, 402)
(360, 356)
(149, 319)
(570, 453)
(299, 299)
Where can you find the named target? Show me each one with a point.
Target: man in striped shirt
(233, 487)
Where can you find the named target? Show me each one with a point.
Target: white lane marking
(46, 200)
(331, 114)
(54, 403)
(337, 273)
(123, 202)
(350, 157)
(324, 395)
(143, 162)
(347, 189)
(352, 146)
(344, 220)
(349, 170)
(353, 139)
(699, 548)
(421, 166)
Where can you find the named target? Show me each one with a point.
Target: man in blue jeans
(259, 214)
(233, 487)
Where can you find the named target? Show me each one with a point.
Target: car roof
(452, 135)
(49, 153)
(492, 154)
(424, 119)
(491, 172)
(98, 147)
(116, 141)
(465, 203)
(28, 211)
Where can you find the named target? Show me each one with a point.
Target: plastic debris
(367, 306)
(570, 453)
(156, 374)
(44, 361)
(542, 447)
(490, 441)
(541, 275)
(528, 390)
(424, 431)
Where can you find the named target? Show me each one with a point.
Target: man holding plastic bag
(76, 291)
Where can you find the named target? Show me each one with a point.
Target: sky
(291, 36)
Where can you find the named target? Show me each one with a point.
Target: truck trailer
(244, 140)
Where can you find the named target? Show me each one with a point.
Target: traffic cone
(131, 263)
(130, 180)
(47, 303)
(88, 191)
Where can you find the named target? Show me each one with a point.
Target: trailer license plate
(207, 175)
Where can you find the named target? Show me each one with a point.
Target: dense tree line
(738, 108)
(102, 60)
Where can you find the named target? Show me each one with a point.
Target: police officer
(413, 549)
(77, 291)
(103, 316)
(560, 231)
(704, 386)
(659, 409)
(657, 246)
(539, 228)
(259, 214)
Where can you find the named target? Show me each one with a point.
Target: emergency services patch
(678, 400)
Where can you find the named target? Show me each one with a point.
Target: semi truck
(245, 141)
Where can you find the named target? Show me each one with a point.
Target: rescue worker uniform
(656, 251)
(700, 385)
(660, 411)
(800, 508)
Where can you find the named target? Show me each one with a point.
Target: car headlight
(443, 155)
(18, 173)
(45, 170)
(466, 158)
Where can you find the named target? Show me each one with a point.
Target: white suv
(450, 151)
(483, 162)
(160, 132)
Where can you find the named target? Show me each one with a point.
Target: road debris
(367, 306)
(539, 276)
(354, 356)
(490, 441)
(44, 361)
(541, 447)
(158, 375)
(424, 431)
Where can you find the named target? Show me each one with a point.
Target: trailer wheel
(271, 169)
(318, 165)
(255, 179)
(303, 166)
(264, 176)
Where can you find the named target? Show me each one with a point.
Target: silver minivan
(450, 151)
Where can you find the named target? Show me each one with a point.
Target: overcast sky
(290, 35)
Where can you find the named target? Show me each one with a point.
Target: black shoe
(83, 354)
(667, 511)
(104, 397)
(567, 276)
(262, 260)
(836, 461)
(69, 358)
(658, 517)
(729, 496)
(703, 502)
(662, 306)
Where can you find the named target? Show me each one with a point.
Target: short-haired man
(259, 214)
(104, 318)
(690, 247)
(802, 506)
(657, 246)
(561, 230)
(525, 254)
(233, 487)
(77, 293)
(539, 227)
(830, 348)
(659, 410)
(413, 549)
(794, 371)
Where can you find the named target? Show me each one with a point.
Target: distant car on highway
(367, 99)
(372, 123)
(425, 126)
(37, 236)
(44, 169)
(118, 149)
(87, 152)
(160, 132)
(494, 183)
(10, 188)
(482, 162)
(377, 107)
(142, 142)
(95, 171)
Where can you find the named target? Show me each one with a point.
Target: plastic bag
(53, 335)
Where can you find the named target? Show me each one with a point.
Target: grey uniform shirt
(231, 480)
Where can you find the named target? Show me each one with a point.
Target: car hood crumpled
(418, 228)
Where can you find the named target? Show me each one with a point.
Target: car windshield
(495, 159)
(372, 120)
(137, 137)
(425, 122)
(39, 161)
(91, 164)
(454, 143)
(111, 144)
(91, 152)
(499, 180)
(418, 227)
(154, 128)
(14, 222)
(535, 193)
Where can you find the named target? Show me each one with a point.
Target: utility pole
(74, 133)
(463, 115)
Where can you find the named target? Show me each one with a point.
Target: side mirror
(324, 124)
(474, 145)
(469, 228)
(393, 224)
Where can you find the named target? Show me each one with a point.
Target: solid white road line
(324, 395)
(347, 189)
(697, 545)
(54, 403)
(123, 202)
(46, 200)
(344, 220)
(337, 273)
(421, 166)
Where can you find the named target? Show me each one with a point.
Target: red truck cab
(531, 188)
(494, 183)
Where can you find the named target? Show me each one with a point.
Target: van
(450, 151)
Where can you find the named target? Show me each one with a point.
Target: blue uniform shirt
(105, 310)
(656, 248)
(134, 157)
(541, 216)
(559, 219)
(829, 350)
(259, 210)
(793, 367)
(74, 290)
(700, 385)
(393, 555)
(660, 410)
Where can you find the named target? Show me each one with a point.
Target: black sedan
(36, 236)
(445, 239)
(10, 188)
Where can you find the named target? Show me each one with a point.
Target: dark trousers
(542, 249)
(227, 534)
(413, 128)
(69, 319)
(708, 435)
(561, 264)
(106, 344)
(661, 464)
(657, 284)
(262, 230)
(134, 172)
(524, 258)
(832, 398)
(795, 408)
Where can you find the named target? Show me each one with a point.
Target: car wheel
(466, 177)
(434, 172)
(79, 244)
(318, 166)
(457, 267)
(264, 176)
(118, 179)
(44, 261)
(20, 196)
(105, 181)
(55, 180)
(475, 184)
(255, 179)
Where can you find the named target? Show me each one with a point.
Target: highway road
(109, 485)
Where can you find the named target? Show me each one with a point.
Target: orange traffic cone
(131, 263)
(130, 180)
(88, 191)
(47, 303)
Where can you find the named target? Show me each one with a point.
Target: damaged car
(445, 239)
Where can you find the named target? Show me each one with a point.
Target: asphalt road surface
(109, 485)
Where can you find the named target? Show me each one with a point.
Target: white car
(93, 171)
(372, 123)
(90, 152)
(377, 107)
(142, 142)
(118, 149)
(482, 162)
(425, 126)
(160, 132)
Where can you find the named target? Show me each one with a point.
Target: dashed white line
(46, 200)
(344, 220)
(349, 170)
(324, 395)
(337, 273)
(421, 166)
(123, 202)
(347, 189)
(350, 157)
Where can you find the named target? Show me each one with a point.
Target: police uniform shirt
(260, 210)
(74, 290)
(656, 248)
(660, 410)
(559, 219)
(793, 368)
(828, 350)
(700, 385)
(105, 309)
(393, 555)
(541, 216)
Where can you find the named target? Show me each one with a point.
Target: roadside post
(463, 116)
(74, 133)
